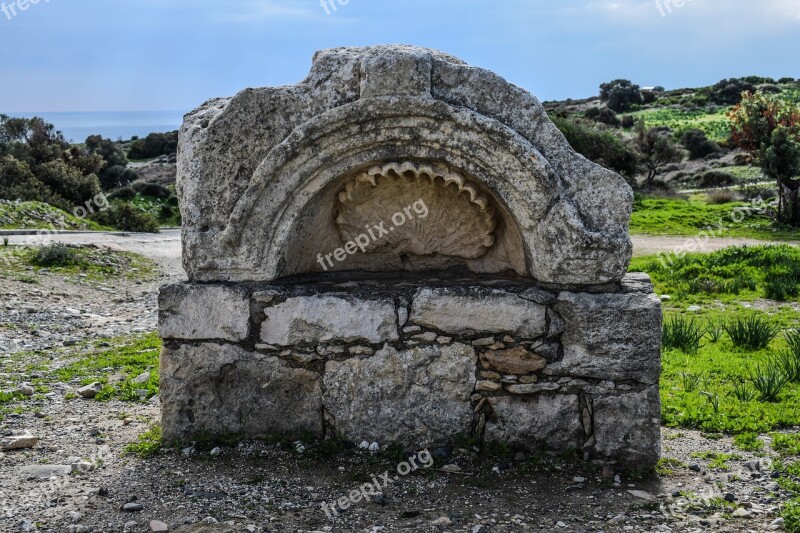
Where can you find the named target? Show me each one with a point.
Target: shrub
(649, 97)
(785, 81)
(151, 189)
(698, 144)
(729, 92)
(722, 197)
(154, 145)
(125, 193)
(628, 121)
(782, 284)
(126, 217)
(752, 333)
(716, 178)
(602, 147)
(770, 89)
(682, 334)
(54, 255)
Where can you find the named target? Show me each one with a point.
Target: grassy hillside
(38, 215)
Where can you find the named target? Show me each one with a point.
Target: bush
(649, 97)
(154, 145)
(698, 145)
(628, 121)
(752, 333)
(782, 284)
(54, 255)
(603, 115)
(68, 182)
(729, 92)
(125, 193)
(126, 217)
(770, 89)
(722, 197)
(151, 189)
(602, 147)
(716, 178)
(786, 81)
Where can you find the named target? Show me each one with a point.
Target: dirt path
(165, 247)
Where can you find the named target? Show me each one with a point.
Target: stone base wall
(417, 363)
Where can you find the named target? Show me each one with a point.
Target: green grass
(38, 215)
(712, 390)
(714, 123)
(129, 357)
(147, 444)
(664, 216)
(717, 461)
(24, 263)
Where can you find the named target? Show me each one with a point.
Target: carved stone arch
(368, 132)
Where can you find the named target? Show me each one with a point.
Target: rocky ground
(79, 477)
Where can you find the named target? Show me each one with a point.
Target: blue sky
(111, 55)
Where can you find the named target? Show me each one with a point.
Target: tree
(768, 128)
(114, 158)
(698, 145)
(656, 150)
(620, 95)
(729, 92)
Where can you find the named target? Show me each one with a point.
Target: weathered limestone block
(478, 311)
(326, 318)
(203, 312)
(547, 420)
(418, 397)
(610, 336)
(628, 427)
(515, 361)
(223, 389)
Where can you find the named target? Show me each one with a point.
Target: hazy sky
(112, 55)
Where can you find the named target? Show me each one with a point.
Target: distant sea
(113, 125)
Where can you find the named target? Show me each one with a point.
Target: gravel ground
(256, 486)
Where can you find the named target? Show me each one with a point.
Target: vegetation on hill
(736, 133)
(88, 186)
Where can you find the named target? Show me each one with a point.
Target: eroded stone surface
(326, 318)
(610, 336)
(627, 427)
(223, 389)
(203, 312)
(248, 165)
(543, 420)
(419, 396)
(461, 311)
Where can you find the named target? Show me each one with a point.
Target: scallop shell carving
(441, 212)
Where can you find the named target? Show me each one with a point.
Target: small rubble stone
(91, 390)
(515, 361)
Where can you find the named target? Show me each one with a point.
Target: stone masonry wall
(417, 363)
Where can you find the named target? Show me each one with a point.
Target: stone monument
(404, 249)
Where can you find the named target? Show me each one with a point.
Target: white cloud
(265, 10)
